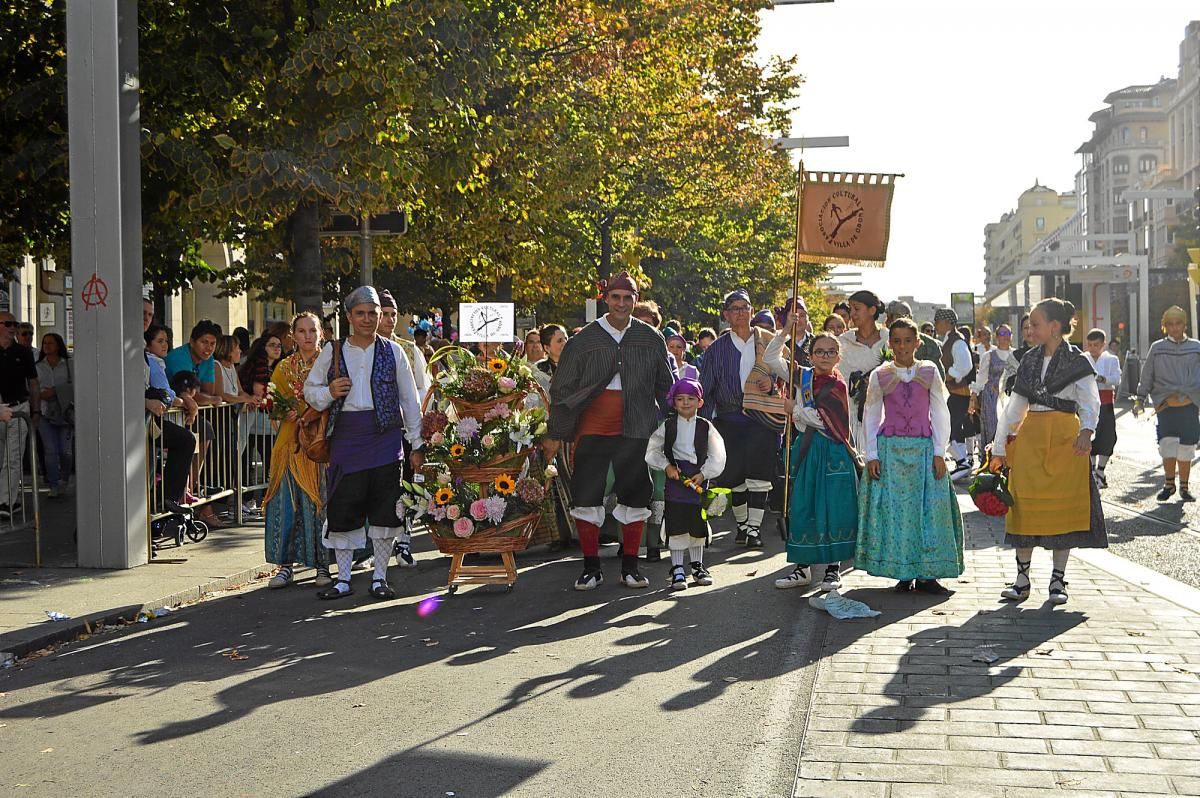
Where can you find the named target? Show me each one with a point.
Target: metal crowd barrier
(19, 497)
(232, 456)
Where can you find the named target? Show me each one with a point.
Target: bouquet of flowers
(463, 509)
(990, 493)
(501, 431)
(462, 377)
(278, 405)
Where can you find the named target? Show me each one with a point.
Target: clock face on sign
(485, 321)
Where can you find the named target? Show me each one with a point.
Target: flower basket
(465, 407)
(486, 472)
(512, 535)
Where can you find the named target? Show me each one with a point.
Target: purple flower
(467, 428)
(494, 507)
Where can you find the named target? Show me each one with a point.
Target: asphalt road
(1164, 537)
(540, 692)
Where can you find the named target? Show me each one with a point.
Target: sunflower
(504, 484)
(457, 450)
(497, 365)
(443, 496)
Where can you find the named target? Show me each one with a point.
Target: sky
(972, 100)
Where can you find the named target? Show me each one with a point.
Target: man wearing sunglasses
(18, 385)
(25, 338)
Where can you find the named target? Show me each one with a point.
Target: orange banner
(844, 217)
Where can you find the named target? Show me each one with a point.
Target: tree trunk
(306, 257)
(606, 247)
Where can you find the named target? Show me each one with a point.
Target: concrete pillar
(106, 262)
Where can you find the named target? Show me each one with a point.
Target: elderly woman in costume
(1171, 381)
(1044, 437)
(823, 512)
(294, 503)
(374, 408)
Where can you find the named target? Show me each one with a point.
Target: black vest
(700, 443)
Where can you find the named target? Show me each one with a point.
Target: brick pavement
(1099, 697)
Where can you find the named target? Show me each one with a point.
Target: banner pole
(787, 448)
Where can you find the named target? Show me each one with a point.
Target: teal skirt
(823, 511)
(293, 527)
(909, 526)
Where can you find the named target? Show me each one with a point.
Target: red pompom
(991, 504)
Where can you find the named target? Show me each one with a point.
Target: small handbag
(313, 426)
(990, 493)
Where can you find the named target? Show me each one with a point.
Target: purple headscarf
(685, 387)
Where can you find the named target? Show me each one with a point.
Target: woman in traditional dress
(985, 391)
(823, 517)
(1053, 413)
(909, 526)
(862, 352)
(295, 506)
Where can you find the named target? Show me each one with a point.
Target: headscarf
(386, 300)
(899, 310)
(1174, 313)
(946, 314)
(685, 387)
(763, 319)
(363, 295)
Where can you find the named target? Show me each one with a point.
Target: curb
(20, 643)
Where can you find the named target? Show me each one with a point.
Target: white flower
(551, 471)
(521, 436)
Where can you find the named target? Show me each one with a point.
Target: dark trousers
(180, 446)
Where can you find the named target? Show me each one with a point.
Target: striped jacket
(588, 363)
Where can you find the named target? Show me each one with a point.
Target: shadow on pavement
(488, 776)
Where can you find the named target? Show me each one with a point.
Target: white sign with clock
(481, 322)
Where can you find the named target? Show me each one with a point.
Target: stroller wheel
(197, 531)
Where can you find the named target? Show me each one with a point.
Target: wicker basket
(510, 464)
(490, 540)
(465, 407)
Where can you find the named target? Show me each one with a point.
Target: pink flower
(499, 411)
(478, 510)
(463, 528)
(488, 441)
(437, 439)
(507, 384)
(453, 511)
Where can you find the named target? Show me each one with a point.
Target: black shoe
(1185, 495)
(1167, 492)
(590, 579)
(753, 539)
(903, 586)
(653, 555)
(740, 538)
(1101, 480)
(932, 587)
(380, 589)
(330, 593)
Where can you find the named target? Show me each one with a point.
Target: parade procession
(431, 398)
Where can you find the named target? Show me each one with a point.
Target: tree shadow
(438, 773)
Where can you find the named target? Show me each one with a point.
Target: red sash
(604, 416)
(1107, 396)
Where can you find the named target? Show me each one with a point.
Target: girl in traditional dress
(862, 352)
(294, 505)
(986, 390)
(823, 517)
(909, 526)
(1053, 413)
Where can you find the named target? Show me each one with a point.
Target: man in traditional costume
(959, 367)
(1171, 380)
(610, 386)
(373, 401)
(388, 315)
(751, 447)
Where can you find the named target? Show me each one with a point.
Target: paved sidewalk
(1099, 697)
(228, 557)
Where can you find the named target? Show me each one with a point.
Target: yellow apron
(1050, 484)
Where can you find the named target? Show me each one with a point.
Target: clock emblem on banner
(485, 321)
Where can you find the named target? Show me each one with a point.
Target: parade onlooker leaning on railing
(57, 425)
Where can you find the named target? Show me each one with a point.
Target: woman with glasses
(823, 509)
(985, 391)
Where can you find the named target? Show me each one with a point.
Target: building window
(1147, 163)
(1144, 134)
(1124, 135)
(1120, 166)
(1040, 223)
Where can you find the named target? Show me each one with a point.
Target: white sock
(1101, 461)
(1060, 559)
(405, 537)
(383, 550)
(677, 557)
(740, 508)
(696, 552)
(345, 561)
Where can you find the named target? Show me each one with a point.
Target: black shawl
(1067, 365)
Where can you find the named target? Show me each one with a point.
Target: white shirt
(1083, 392)
(939, 412)
(963, 363)
(985, 365)
(615, 383)
(358, 367)
(1108, 370)
(857, 356)
(747, 350)
(685, 448)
